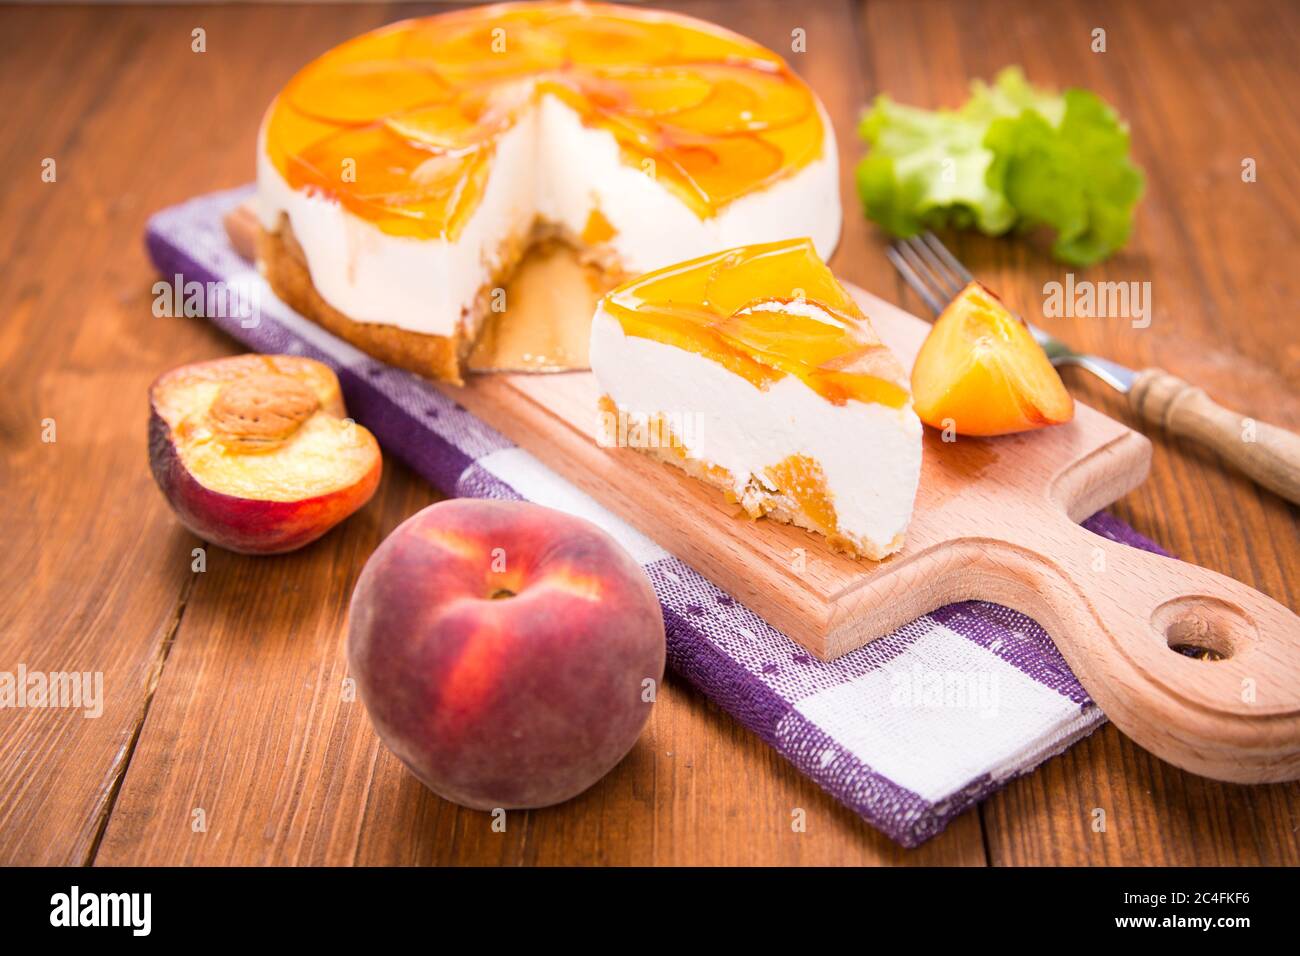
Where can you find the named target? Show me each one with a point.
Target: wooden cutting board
(995, 519)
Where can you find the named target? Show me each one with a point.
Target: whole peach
(507, 653)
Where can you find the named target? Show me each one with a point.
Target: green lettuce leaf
(1075, 177)
(926, 170)
(1013, 155)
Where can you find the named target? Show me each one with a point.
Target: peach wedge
(981, 373)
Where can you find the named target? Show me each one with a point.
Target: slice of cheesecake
(755, 370)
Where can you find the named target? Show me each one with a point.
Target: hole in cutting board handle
(1204, 628)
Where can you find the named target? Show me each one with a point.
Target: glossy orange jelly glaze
(739, 308)
(400, 124)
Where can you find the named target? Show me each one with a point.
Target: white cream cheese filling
(870, 454)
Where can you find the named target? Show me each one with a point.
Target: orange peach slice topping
(710, 115)
(763, 312)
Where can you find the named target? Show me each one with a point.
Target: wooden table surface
(224, 738)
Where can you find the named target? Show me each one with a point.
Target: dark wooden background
(223, 688)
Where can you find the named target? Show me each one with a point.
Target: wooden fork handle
(1268, 454)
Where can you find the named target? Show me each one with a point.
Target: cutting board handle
(1199, 669)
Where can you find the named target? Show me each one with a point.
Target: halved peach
(981, 372)
(254, 453)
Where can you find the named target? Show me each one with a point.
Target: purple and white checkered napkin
(908, 732)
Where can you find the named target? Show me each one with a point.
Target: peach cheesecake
(402, 175)
(756, 371)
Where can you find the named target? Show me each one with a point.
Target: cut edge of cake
(281, 261)
(756, 500)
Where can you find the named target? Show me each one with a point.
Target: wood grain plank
(1153, 814)
(1200, 86)
(83, 586)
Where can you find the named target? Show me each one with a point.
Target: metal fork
(1267, 453)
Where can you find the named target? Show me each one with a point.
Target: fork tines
(929, 268)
